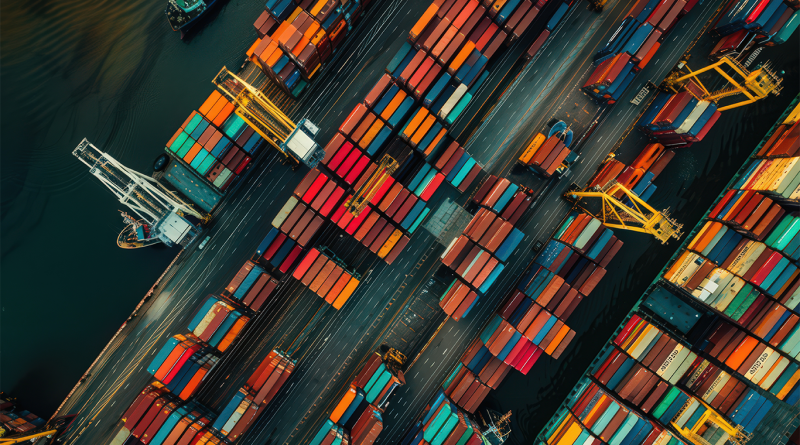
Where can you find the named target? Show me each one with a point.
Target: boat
(183, 14)
(136, 234)
(562, 131)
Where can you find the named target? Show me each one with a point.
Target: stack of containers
(18, 421)
(547, 157)
(596, 415)
(376, 232)
(468, 387)
(296, 39)
(217, 323)
(359, 410)
(769, 22)
(443, 422)
(457, 167)
(156, 416)
(776, 171)
(632, 46)
(215, 143)
(645, 356)
(554, 20)
(640, 372)
(182, 364)
(678, 119)
(251, 286)
(243, 409)
(639, 176)
(327, 278)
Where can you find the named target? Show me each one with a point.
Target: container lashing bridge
(638, 216)
(294, 141)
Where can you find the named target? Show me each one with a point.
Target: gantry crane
(755, 85)
(295, 141)
(358, 202)
(638, 217)
(737, 435)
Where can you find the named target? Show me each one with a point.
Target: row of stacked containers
(632, 46)
(356, 417)
(736, 351)
(529, 323)
(760, 22)
(295, 39)
(216, 146)
(18, 421)
(167, 411)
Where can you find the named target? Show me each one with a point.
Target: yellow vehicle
(530, 150)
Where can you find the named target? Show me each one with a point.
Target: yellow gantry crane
(736, 434)
(639, 217)
(755, 85)
(358, 202)
(256, 109)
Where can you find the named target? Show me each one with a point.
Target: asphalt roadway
(342, 340)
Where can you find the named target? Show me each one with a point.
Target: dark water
(115, 73)
(688, 187)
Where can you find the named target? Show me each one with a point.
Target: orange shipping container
(346, 293)
(423, 21)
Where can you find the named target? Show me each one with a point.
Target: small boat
(136, 234)
(564, 133)
(182, 14)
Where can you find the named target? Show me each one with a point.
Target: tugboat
(182, 14)
(136, 233)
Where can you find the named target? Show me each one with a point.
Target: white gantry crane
(162, 210)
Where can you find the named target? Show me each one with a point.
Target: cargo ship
(183, 14)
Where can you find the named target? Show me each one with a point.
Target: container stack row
(551, 25)
(765, 22)
(401, 207)
(251, 286)
(18, 421)
(443, 422)
(547, 156)
(246, 405)
(458, 167)
(500, 196)
(678, 119)
(649, 373)
(632, 46)
(661, 362)
(754, 215)
(156, 416)
(182, 364)
(479, 254)
(597, 417)
(784, 141)
(296, 39)
(775, 171)
(327, 278)
(215, 143)
(217, 323)
(476, 374)
(639, 176)
(358, 412)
